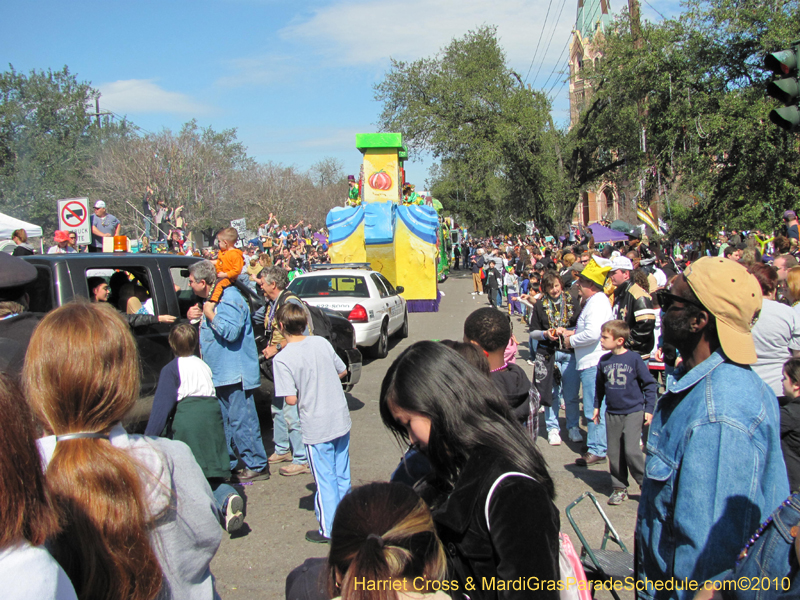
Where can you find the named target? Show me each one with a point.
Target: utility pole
(97, 112)
(636, 25)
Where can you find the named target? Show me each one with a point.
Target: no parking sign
(74, 215)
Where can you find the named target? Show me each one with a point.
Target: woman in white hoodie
(139, 520)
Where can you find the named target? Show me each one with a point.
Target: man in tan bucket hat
(714, 469)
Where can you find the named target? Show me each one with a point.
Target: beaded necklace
(499, 368)
(760, 530)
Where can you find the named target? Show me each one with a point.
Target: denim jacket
(228, 344)
(714, 472)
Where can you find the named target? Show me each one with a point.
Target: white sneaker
(531, 362)
(473, 293)
(480, 293)
(553, 437)
(575, 435)
(233, 513)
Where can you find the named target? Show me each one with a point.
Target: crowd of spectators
(120, 515)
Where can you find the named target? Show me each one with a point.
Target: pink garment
(510, 354)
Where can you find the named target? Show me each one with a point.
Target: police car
(363, 296)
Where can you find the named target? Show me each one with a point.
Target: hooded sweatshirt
(515, 385)
(187, 529)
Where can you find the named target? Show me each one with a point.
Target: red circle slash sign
(73, 214)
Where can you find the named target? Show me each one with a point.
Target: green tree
(497, 148)
(688, 110)
(47, 142)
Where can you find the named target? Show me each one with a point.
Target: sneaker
(531, 362)
(234, 518)
(480, 293)
(554, 437)
(473, 293)
(279, 458)
(618, 497)
(575, 435)
(294, 469)
(315, 536)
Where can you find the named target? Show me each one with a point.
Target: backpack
(571, 574)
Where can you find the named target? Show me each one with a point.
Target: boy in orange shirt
(230, 262)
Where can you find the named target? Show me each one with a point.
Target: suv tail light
(358, 314)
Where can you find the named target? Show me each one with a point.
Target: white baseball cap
(621, 263)
(99, 204)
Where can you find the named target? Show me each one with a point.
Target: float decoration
(399, 241)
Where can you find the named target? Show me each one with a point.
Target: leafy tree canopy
(689, 111)
(495, 140)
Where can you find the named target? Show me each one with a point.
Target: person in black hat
(16, 323)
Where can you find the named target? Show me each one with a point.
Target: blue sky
(294, 78)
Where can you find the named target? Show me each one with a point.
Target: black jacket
(634, 306)
(516, 387)
(523, 541)
(790, 440)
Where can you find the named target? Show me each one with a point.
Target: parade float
(387, 224)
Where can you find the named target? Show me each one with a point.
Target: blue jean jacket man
(714, 471)
(228, 343)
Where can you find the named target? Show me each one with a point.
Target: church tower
(600, 201)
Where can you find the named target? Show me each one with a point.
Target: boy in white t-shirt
(307, 372)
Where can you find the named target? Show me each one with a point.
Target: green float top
(403, 154)
(367, 141)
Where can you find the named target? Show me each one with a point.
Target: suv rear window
(330, 286)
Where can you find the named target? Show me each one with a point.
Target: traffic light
(786, 89)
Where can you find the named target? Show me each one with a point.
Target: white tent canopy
(8, 225)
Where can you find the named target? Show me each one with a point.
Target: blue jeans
(286, 432)
(241, 426)
(596, 438)
(330, 466)
(148, 227)
(567, 392)
(222, 491)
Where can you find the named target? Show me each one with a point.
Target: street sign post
(74, 215)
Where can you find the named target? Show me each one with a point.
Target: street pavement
(254, 561)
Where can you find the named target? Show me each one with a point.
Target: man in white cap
(586, 341)
(633, 305)
(714, 469)
(103, 225)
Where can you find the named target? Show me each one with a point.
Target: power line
(538, 42)
(554, 98)
(550, 41)
(557, 82)
(560, 58)
(655, 9)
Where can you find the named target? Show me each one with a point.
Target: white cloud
(136, 96)
(361, 32)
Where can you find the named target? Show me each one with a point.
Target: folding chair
(602, 564)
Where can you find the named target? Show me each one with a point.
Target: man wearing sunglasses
(714, 469)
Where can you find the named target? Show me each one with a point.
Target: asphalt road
(254, 562)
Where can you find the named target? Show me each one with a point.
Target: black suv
(165, 279)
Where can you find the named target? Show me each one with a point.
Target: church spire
(592, 14)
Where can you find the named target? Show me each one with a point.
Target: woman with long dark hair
(138, 518)
(490, 492)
